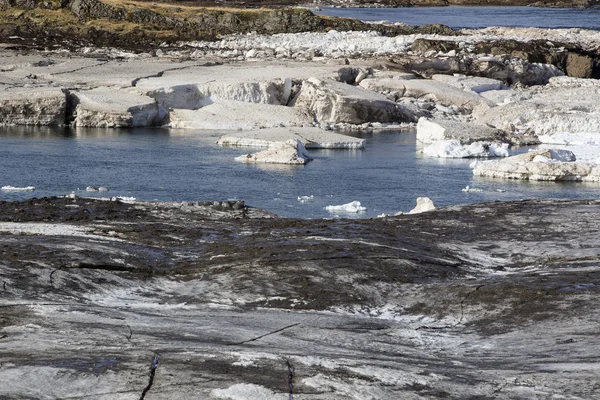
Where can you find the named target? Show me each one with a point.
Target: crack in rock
(153, 367)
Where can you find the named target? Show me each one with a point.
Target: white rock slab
(335, 102)
(313, 138)
(475, 84)
(542, 165)
(290, 152)
(33, 106)
(430, 131)
(440, 92)
(239, 115)
(112, 108)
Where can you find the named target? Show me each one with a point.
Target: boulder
(33, 106)
(289, 152)
(542, 165)
(430, 131)
(107, 107)
(328, 101)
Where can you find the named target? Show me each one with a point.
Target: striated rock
(106, 107)
(33, 106)
(334, 102)
(289, 152)
(494, 300)
(430, 131)
(542, 165)
(312, 138)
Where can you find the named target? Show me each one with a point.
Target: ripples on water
(168, 165)
(477, 17)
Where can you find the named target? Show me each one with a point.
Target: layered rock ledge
(495, 300)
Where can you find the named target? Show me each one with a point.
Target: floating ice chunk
(18, 189)
(352, 207)
(96, 189)
(468, 189)
(289, 152)
(304, 199)
(453, 149)
(424, 204)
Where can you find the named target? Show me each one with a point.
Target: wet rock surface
(496, 300)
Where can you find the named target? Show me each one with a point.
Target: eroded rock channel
(218, 300)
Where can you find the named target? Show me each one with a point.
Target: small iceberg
(18, 189)
(468, 189)
(304, 199)
(352, 207)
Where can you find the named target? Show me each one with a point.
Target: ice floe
(454, 149)
(352, 207)
(311, 137)
(424, 204)
(18, 189)
(290, 152)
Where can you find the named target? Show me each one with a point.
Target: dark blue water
(477, 17)
(155, 164)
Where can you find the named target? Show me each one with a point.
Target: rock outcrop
(110, 108)
(429, 131)
(328, 101)
(33, 106)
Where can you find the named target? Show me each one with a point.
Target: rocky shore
(108, 300)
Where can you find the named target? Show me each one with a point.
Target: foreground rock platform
(496, 300)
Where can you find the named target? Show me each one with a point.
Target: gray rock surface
(495, 300)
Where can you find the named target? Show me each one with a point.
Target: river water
(157, 164)
(477, 17)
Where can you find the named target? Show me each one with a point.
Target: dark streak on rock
(266, 334)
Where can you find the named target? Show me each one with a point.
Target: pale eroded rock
(33, 106)
(334, 102)
(107, 107)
